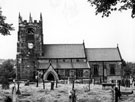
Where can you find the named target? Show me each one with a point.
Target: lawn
(32, 93)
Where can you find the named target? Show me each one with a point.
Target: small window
(72, 73)
(67, 73)
(112, 69)
(61, 72)
(96, 67)
(79, 73)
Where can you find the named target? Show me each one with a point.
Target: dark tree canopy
(7, 72)
(107, 6)
(5, 28)
(129, 69)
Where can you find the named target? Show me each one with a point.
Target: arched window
(67, 72)
(79, 73)
(96, 68)
(112, 69)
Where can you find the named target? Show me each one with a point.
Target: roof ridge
(65, 44)
(103, 48)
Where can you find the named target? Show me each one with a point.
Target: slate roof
(64, 65)
(103, 54)
(63, 51)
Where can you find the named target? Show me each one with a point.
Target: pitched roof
(64, 65)
(103, 54)
(64, 51)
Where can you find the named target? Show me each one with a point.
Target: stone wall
(106, 70)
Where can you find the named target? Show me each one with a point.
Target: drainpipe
(103, 72)
(89, 74)
(56, 82)
(57, 73)
(43, 79)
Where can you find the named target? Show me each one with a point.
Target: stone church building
(62, 61)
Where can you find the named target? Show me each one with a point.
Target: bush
(7, 72)
(8, 99)
(5, 83)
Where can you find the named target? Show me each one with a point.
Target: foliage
(107, 6)
(5, 28)
(129, 69)
(8, 99)
(7, 72)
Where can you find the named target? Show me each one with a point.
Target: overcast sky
(71, 21)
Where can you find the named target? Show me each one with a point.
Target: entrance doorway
(50, 77)
(51, 74)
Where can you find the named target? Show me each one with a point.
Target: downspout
(89, 74)
(103, 71)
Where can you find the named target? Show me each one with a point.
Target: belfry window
(30, 37)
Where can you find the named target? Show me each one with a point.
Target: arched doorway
(51, 74)
(50, 77)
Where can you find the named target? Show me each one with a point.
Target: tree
(129, 69)
(107, 6)
(7, 72)
(5, 28)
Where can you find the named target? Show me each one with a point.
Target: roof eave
(105, 61)
(62, 58)
(119, 53)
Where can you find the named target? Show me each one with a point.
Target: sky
(70, 21)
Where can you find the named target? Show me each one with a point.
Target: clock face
(30, 45)
(30, 30)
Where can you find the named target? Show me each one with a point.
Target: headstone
(133, 84)
(117, 94)
(131, 81)
(70, 95)
(73, 96)
(52, 85)
(116, 83)
(68, 81)
(14, 97)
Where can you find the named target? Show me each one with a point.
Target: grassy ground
(32, 93)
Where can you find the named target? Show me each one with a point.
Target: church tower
(29, 47)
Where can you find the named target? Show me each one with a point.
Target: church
(62, 61)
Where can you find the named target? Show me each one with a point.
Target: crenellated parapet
(31, 21)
